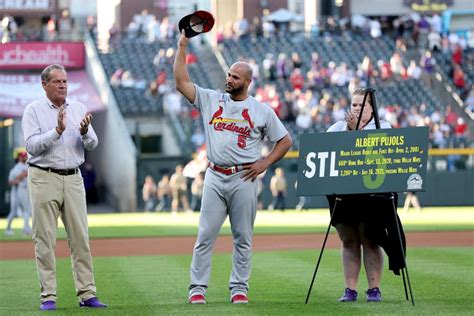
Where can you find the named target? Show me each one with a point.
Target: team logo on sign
(414, 182)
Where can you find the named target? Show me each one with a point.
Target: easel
(368, 92)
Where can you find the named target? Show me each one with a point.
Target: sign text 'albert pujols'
(383, 160)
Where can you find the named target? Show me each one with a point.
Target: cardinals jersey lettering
(235, 129)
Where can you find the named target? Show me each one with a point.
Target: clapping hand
(61, 121)
(351, 120)
(84, 125)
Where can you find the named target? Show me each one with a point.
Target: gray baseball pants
(225, 195)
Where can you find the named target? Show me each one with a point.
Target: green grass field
(442, 278)
(290, 222)
(442, 282)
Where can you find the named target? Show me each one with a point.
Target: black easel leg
(403, 252)
(322, 250)
(404, 284)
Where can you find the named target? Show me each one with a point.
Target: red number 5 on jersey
(241, 141)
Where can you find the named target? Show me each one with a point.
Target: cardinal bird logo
(216, 115)
(246, 116)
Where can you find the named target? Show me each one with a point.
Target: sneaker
(9, 232)
(197, 299)
(92, 303)
(239, 299)
(349, 296)
(48, 306)
(27, 232)
(374, 295)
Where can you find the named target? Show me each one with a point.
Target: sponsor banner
(37, 55)
(26, 5)
(428, 5)
(19, 90)
(370, 161)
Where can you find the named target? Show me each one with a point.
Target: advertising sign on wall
(37, 55)
(18, 90)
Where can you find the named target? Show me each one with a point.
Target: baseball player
(18, 180)
(235, 125)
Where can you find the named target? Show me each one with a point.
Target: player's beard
(234, 91)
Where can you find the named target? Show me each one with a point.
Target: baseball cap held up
(196, 23)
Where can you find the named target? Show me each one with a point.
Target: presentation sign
(371, 161)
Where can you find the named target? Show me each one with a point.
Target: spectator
(18, 180)
(65, 24)
(469, 102)
(411, 198)
(296, 60)
(427, 64)
(149, 193)
(396, 64)
(297, 79)
(437, 137)
(198, 138)
(278, 188)
(88, 173)
(461, 133)
(450, 116)
(269, 67)
(191, 59)
(51, 28)
(413, 70)
(459, 78)
(116, 78)
(179, 189)
(385, 70)
(434, 41)
(304, 120)
(164, 194)
(114, 34)
(241, 27)
(196, 191)
(457, 55)
(375, 28)
(282, 67)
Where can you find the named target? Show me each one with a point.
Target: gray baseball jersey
(18, 169)
(22, 199)
(234, 134)
(235, 129)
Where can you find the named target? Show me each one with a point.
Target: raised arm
(181, 76)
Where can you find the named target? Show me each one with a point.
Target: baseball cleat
(197, 299)
(239, 299)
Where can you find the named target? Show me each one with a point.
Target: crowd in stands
(302, 92)
(52, 28)
(307, 78)
(147, 28)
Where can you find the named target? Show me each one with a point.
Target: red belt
(228, 170)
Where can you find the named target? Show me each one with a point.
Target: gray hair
(46, 71)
